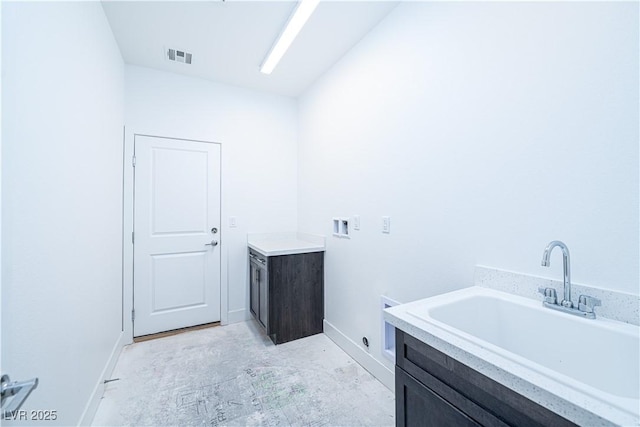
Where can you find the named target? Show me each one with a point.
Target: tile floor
(233, 375)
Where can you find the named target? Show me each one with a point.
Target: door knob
(213, 243)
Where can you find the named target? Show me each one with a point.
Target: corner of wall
(91, 407)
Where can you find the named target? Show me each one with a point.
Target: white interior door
(176, 277)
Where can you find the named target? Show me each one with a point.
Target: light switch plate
(356, 222)
(233, 222)
(386, 224)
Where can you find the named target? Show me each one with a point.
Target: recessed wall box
(388, 341)
(344, 227)
(341, 227)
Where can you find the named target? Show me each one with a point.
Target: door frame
(127, 230)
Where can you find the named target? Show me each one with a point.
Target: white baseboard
(92, 405)
(368, 362)
(235, 316)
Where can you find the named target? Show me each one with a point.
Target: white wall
(485, 130)
(258, 133)
(62, 118)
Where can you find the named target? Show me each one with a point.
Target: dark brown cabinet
(433, 389)
(259, 298)
(287, 294)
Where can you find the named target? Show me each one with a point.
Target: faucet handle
(550, 296)
(587, 303)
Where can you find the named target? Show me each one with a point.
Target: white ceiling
(229, 40)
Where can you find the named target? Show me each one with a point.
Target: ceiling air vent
(176, 55)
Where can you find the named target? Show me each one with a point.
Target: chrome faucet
(585, 302)
(566, 267)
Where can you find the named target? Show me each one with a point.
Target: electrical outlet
(386, 224)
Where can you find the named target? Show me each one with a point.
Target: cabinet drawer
(504, 406)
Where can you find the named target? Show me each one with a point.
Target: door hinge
(133, 237)
(133, 315)
(133, 161)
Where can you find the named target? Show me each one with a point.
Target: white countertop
(576, 407)
(286, 243)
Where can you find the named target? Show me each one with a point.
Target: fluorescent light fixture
(299, 17)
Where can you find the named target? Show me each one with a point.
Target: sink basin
(599, 357)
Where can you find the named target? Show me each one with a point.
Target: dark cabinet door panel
(254, 290)
(297, 295)
(263, 291)
(418, 406)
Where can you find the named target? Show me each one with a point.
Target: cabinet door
(254, 290)
(296, 292)
(419, 406)
(264, 297)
